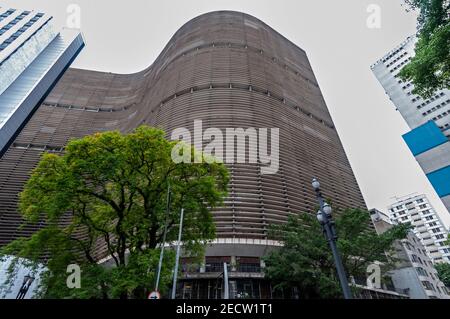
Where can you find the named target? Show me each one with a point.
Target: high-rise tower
(229, 70)
(429, 119)
(32, 57)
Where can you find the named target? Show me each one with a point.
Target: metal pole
(338, 262)
(226, 293)
(331, 238)
(175, 273)
(161, 255)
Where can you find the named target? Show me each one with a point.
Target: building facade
(32, 58)
(229, 70)
(414, 272)
(429, 119)
(427, 225)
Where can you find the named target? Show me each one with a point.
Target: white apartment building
(414, 273)
(427, 225)
(414, 109)
(33, 55)
(429, 119)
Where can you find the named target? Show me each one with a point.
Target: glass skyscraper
(32, 57)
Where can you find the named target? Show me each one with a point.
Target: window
(423, 206)
(6, 14)
(440, 236)
(428, 285)
(436, 230)
(215, 264)
(420, 200)
(248, 264)
(422, 271)
(446, 290)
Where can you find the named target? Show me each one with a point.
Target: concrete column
(233, 263)
(202, 265)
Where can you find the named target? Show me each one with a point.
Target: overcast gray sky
(127, 36)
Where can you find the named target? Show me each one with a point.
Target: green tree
(443, 270)
(106, 196)
(305, 260)
(429, 69)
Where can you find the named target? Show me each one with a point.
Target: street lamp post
(161, 254)
(325, 219)
(177, 257)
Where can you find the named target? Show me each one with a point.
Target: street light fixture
(320, 218)
(326, 220)
(327, 209)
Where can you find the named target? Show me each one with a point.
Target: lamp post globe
(327, 209)
(315, 184)
(320, 217)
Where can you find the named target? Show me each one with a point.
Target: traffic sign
(154, 295)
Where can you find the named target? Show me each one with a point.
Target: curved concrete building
(229, 70)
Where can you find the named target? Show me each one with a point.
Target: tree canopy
(443, 270)
(429, 69)
(106, 196)
(305, 261)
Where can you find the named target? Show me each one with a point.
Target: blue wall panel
(440, 180)
(424, 138)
